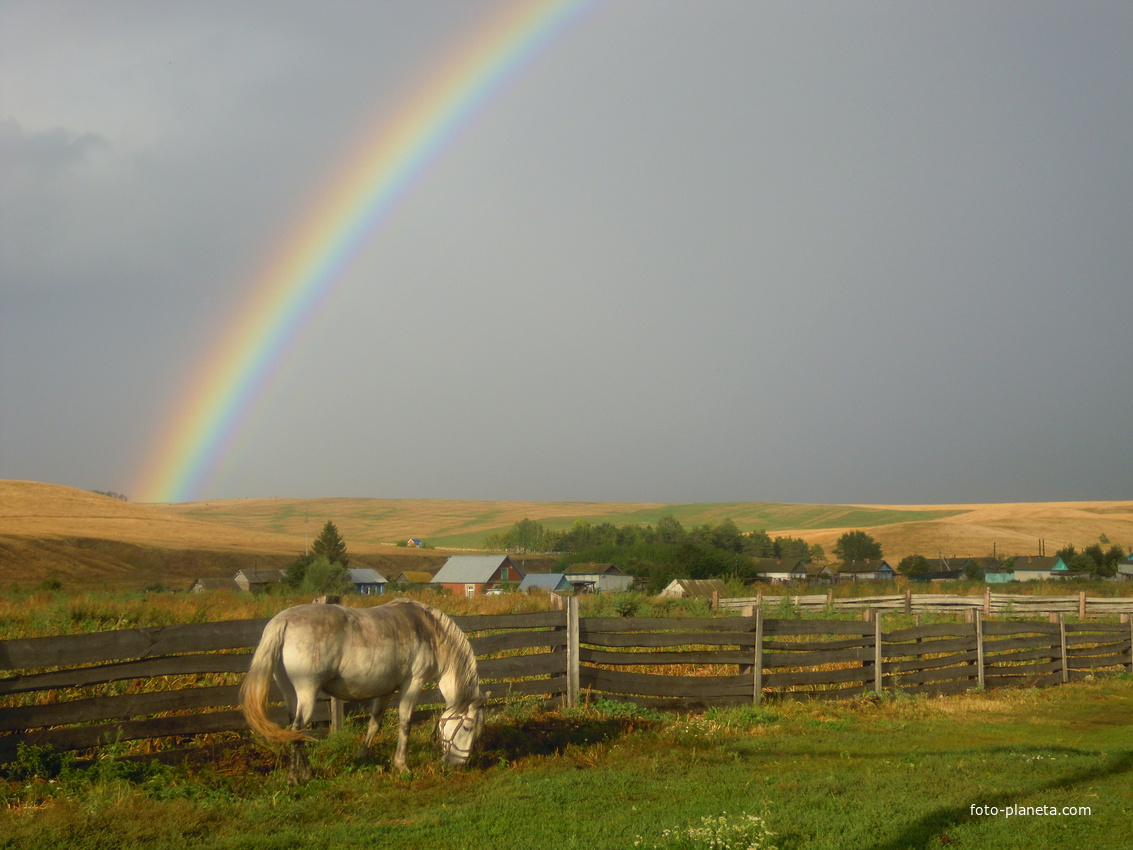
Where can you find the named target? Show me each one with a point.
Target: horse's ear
(481, 700)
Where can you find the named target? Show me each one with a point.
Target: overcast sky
(694, 251)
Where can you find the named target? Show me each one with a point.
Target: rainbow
(295, 284)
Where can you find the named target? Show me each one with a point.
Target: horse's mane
(453, 649)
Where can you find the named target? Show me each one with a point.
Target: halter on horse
(365, 653)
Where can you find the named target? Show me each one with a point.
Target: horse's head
(459, 729)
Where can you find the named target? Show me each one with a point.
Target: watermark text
(1029, 811)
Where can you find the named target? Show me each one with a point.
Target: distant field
(83, 538)
(465, 524)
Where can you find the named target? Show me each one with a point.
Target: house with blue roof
(367, 582)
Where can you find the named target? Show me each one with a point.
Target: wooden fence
(1010, 604)
(81, 691)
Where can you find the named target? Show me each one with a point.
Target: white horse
(364, 653)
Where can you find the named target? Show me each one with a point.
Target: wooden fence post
(572, 650)
(908, 601)
(1062, 643)
(877, 679)
(987, 601)
(715, 600)
(757, 670)
(1081, 604)
(1128, 620)
(980, 649)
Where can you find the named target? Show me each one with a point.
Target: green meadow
(888, 774)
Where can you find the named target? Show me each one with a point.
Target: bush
(326, 577)
(38, 762)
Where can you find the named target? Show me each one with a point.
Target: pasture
(902, 772)
(893, 770)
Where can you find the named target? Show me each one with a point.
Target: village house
(257, 581)
(598, 578)
(1125, 569)
(412, 577)
(545, 582)
(472, 575)
(942, 569)
(1039, 568)
(686, 588)
(367, 582)
(868, 570)
(778, 570)
(822, 573)
(207, 585)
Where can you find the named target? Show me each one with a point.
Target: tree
(323, 576)
(727, 536)
(856, 546)
(330, 545)
(758, 544)
(297, 570)
(1092, 560)
(913, 565)
(526, 535)
(669, 529)
(792, 548)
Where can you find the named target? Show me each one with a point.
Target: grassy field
(883, 772)
(82, 538)
(890, 773)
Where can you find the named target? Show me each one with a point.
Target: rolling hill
(84, 538)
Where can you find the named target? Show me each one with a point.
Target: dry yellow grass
(369, 524)
(83, 538)
(1006, 529)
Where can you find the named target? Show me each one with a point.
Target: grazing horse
(364, 653)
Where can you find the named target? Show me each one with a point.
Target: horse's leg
(410, 690)
(377, 709)
(304, 710)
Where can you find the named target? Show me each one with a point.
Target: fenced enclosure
(1007, 604)
(81, 691)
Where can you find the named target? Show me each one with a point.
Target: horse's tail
(257, 683)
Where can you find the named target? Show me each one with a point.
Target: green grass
(896, 772)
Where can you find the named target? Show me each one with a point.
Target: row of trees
(120, 497)
(1093, 559)
(528, 535)
(668, 550)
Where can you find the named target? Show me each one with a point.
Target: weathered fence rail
(80, 691)
(989, 603)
